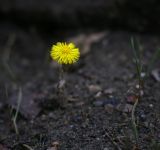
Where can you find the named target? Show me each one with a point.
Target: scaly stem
(61, 87)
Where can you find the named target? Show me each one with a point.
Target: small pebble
(98, 94)
(52, 148)
(51, 115)
(109, 91)
(112, 100)
(55, 146)
(151, 105)
(55, 143)
(137, 86)
(94, 88)
(143, 74)
(71, 126)
(156, 74)
(102, 102)
(98, 139)
(98, 103)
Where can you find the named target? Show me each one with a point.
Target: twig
(17, 110)
(27, 146)
(114, 143)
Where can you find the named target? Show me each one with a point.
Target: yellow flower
(65, 53)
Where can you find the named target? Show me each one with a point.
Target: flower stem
(61, 87)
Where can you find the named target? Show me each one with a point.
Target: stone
(98, 94)
(55, 146)
(98, 103)
(156, 74)
(151, 105)
(94, 88)
(52, 148)
(109, 91)
(107, 101)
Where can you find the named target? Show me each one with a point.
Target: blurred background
(50, 15)
(33, 21)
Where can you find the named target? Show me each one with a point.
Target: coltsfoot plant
(66, 55)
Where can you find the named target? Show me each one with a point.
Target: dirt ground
(99, 92)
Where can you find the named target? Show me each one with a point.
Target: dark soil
(105, 76)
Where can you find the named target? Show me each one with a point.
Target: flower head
(65, 53)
